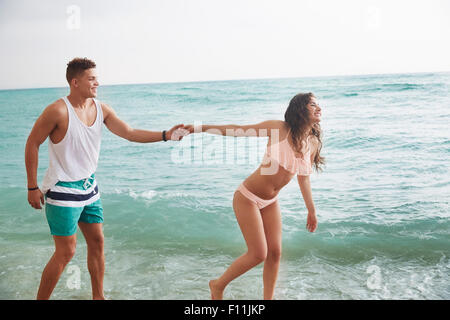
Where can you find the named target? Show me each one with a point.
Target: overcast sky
(196, 40)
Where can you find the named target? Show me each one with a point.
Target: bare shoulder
(55, 115)
(56, 110)
(106, 109)
(276, 124)
(272, 126)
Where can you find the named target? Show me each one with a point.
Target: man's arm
(123, 130)
(42, 128)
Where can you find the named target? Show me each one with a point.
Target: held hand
(35, 198)
(311, 222)
(189, 127)
(176, 133)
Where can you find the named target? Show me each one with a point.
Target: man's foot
(216, 293)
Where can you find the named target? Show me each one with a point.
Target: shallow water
(382, 201)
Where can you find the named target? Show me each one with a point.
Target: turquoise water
(383, 200)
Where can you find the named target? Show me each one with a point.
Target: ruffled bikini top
(285, 157)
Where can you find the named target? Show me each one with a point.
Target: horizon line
(227, 80)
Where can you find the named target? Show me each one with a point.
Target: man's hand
(311, 222)
(35, 198)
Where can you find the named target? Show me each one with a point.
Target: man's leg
(93, 234)
(64, 251)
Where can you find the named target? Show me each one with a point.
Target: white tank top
(75, 157)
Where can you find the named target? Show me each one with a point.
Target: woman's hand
(189, 127)
(311, 222)
(177, 133)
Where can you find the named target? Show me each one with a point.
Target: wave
(402, 86)
(193, 222)
(190, 89)
(357, 90)
(186, 220)
(352, 142)
(339, 95)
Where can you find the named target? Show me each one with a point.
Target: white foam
(149, 194)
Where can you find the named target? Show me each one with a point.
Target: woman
(293, 146)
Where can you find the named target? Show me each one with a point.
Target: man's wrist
(164, 135)
(33, 188)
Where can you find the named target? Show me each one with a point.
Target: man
(74, 125)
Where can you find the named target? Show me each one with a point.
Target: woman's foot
(216, 292)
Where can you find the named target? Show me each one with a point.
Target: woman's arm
(305, 188)
(262, 129)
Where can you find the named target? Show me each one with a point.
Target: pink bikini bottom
(261, 203)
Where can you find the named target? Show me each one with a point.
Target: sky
(200, 40)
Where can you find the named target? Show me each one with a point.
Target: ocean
(382, 201)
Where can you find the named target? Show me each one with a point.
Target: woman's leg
(271, 217)
(251, 224)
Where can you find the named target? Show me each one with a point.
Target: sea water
(382, 201)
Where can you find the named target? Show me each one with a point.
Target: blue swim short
(68, 203)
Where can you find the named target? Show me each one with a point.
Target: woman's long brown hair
(297, 117)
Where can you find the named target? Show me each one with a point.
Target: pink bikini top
(287, 159)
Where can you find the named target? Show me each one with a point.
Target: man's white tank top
(75, 157)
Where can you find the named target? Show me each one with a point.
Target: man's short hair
(77, 66)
